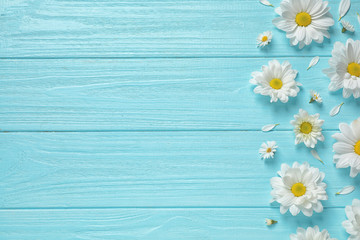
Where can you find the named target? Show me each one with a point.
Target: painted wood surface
(147, 28)
(135, 120)
(153, 169)
(172, 223)
(154, 94)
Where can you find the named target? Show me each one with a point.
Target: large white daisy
(344, 71)
(347, 149)
(304, 21)
(307, 128)
(299, 188)
(277, 81)
(311, 234)
(352, 225)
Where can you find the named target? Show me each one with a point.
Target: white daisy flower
(352, 225)
(347, 26)
(315, 97)
(264, 39)
(304, 21)
(307, 128)
(299, 188)
(311, 234)
(347, 147)
(277, 81)
(268, 149)
(344, 71)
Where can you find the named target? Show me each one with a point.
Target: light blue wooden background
(135, 120)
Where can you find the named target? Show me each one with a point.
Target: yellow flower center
(354, 69)
(303, 19)
(306, 127)
(264, 38)
(298, 189)
(268, 150)
(276, 83)
(357, 147)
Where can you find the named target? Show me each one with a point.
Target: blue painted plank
(149, 28)
(154, 94)
(160, 224)
(152, 169)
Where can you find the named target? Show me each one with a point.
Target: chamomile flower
(311, 234)
(304, 21)
(277, 81)
(307, 128)
(264, 39)
(347, 147)
(268, 149)
(315, 97)
(347, 26)
(352, 225)
(299, 188)
(344, 71)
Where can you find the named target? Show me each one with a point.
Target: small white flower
(304, 21)
(307, 128)
(347, 26)
(344, 71)
(299, 188)
(311, 234)
(264, 39)
(315, 97)
(277, 81)
(347, 147)
(270, 221)
(268, 149)
(352, 225)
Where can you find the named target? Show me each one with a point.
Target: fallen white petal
(269, 127)
(336, 110)
(266, 3)
(344, 8)
(316, 155)
(358, 17)
(346, 190)
(313, 62)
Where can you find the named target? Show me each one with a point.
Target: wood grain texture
(160, 224)
(133, 28)
(154, 94)
(152, 169)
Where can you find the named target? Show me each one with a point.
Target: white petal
(266, 3)
(269, 127)
(316, 155)
(346, 190)
(344, 8)
(336, 110)
(313, 62)
(358, 17)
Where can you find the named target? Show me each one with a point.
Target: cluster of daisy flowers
(299, 188)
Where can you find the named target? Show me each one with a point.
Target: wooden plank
(168, 28)
(154, 94)
(151, 169)
(236, 223)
